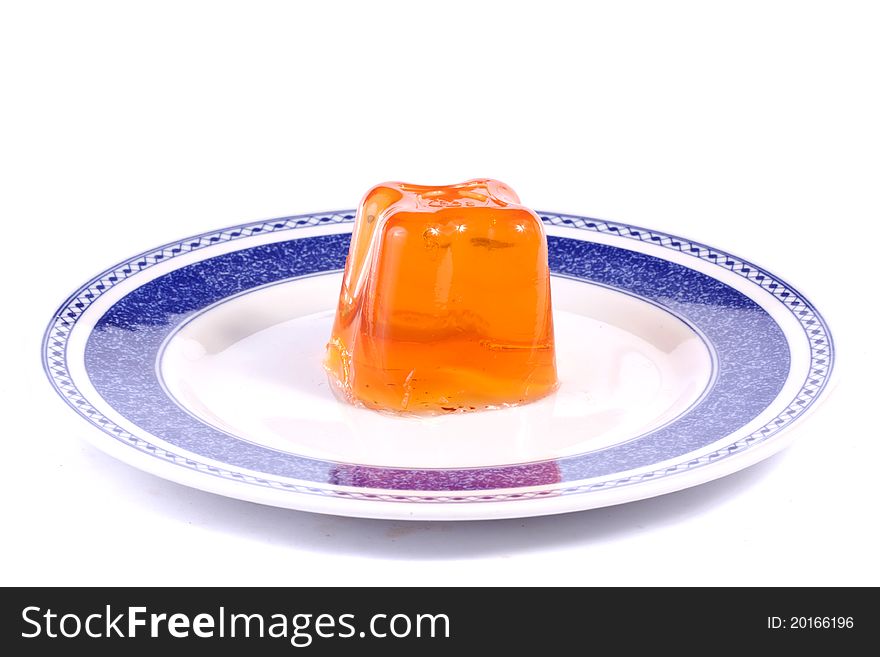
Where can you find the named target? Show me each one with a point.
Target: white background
(749, 126)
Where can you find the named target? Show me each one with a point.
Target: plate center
(251, 366)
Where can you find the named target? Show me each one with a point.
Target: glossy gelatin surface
(445, 302)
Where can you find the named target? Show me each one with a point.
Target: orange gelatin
(445, 302)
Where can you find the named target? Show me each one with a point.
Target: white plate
(200, 362)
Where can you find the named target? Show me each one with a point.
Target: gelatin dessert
(445, 302)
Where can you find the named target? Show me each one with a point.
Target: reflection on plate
(200, 362)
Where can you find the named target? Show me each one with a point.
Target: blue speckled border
(753, 358)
